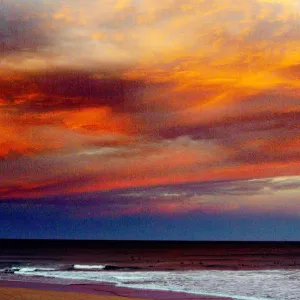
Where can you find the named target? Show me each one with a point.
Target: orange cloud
(130, 93)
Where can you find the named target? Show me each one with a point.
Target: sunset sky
(166, 119)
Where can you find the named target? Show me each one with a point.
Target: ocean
(239, 270)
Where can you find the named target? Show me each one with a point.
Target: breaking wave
(239, 285)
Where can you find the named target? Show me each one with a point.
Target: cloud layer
(115, 94)
(277, 196)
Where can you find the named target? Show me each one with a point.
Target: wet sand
(28, 294)
(10, 290)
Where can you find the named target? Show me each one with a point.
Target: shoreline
(103, 289)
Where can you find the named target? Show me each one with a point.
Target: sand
(28, 294)
(32, 291)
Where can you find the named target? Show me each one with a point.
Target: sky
(150, 119)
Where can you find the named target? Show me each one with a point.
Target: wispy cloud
(115, 94)
(277, 196)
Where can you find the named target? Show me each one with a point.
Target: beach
(29, 294)
(30, 291)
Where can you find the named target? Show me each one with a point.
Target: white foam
(32, 269)
(89, 267)
(25, 269)
(239, 285)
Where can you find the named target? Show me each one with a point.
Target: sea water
(239, 284)
(242, 271)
